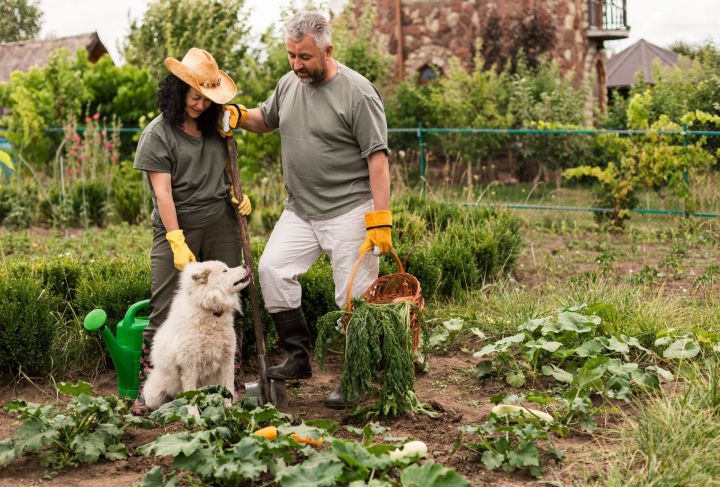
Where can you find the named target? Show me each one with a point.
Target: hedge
(43, 302)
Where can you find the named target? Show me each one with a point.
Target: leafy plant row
(218, 444)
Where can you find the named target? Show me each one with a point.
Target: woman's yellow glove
(237, 115)
(378, 225)
(182, 255)
(243, 207)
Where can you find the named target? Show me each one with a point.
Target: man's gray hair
(309, 23)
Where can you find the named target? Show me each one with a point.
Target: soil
(448, 387)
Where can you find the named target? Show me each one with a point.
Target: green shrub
(127, 199)
(89, 202)
(113, 285)
(16, 207)
(59, 276)
(28, 321)
(318, 292)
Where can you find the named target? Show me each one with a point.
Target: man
(335, 167)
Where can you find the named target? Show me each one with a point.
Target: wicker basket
(393, 288)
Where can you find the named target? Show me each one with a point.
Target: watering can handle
(133, 310)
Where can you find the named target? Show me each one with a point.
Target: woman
(184, 158)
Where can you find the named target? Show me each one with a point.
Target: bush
(112, 285)
(318, 292)
(127, 200)
(16, 207)
(89, 202)
(28, 324)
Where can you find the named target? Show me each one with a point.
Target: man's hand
(243, 207)
(378, 225)
(237, 114)
(182, 255)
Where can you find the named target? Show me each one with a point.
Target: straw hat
(199, 70)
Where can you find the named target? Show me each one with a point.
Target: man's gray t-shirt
(327, 131)
(197, 167)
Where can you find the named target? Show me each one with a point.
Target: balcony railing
(608, 19)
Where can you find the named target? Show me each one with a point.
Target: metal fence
(541, 196)
(564, 198)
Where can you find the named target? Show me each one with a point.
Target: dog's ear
(202, 277)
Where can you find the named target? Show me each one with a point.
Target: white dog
(195, 346)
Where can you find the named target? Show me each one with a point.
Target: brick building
(427, 33)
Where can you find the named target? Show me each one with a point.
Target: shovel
(267, 390)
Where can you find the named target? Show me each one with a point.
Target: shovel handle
(232, 170)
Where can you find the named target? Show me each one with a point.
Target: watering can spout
(125, 348)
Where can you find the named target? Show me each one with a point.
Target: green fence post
(686, 175)
(422, 160)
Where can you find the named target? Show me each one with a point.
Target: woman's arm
(162, 185)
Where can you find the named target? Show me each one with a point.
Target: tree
(171, 28)
(21, 20)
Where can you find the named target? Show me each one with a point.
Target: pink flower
(96, 116)
(104, 132)
(84, 158)
(108, 145)
(87, 119)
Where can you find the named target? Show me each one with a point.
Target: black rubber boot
(335, 399)
(295, 340)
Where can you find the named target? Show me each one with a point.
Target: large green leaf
(321, 470)
(557, 372)
(79, 387)
(492, 460)
(515, 379)
(591, 348)
(356, 455)
(246, 456)
(617, 346)
(541, 343)
(579, 323)
(682, 349)
(431, 474)
(454, 324)
(7, 452)
(525, 454)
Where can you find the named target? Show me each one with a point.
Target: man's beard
(313, 77)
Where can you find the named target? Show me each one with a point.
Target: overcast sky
(658, 21)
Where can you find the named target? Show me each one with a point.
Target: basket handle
(348, 297)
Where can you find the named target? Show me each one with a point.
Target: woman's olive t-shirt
(197, 168)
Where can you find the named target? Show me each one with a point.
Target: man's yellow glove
(237, 114)
(378, 225)
(244, 207)
(182, 255)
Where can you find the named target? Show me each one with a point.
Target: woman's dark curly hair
(171, 103)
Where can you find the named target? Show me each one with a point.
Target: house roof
(621, 68)
(22, 55)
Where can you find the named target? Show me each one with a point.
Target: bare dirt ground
(548, 259)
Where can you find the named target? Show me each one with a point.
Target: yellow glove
(237, 115)
(378, 225)
(182, 254)
(244, 207)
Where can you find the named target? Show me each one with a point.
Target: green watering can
(126, 348)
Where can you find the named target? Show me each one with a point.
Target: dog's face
(213, 285)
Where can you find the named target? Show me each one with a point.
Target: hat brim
(221, 94)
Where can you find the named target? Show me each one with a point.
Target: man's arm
(255, 122)
(379, 179)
